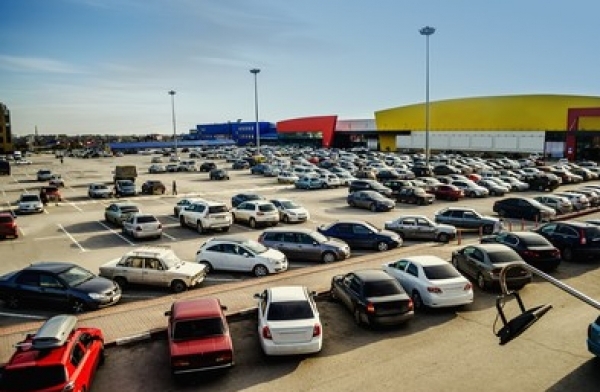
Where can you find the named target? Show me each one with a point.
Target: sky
(106, 66)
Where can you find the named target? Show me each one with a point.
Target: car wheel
(207, 266)
(121, 282)
(567, 254)
(225, 229)
(481, 282)
(382, 246)
(286, 219)
(373, 207)
(77, 306)
(417, 301)
(443, 237)
(332, 294)
(358, 319)
(488, 229)
(252, 223)
(199, 227)
(260, 270)
(178, 286)
(233, 218)
(13, 302)
(182, 221)
(351, 203)
(328, 257)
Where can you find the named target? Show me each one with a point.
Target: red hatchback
(199, 338)
(58, 357)
(8, 225)
(447, 192)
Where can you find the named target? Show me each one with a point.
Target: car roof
(289, 230)
(125, 204)
(196, 308)
(229, 238)
(426, 260)
(369, 275)
(151, 251)
(52, 266)
(351, 221)
(492, 247)
(580, 224)
(287, 293)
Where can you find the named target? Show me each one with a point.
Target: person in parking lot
(43, 196)
(174, 187)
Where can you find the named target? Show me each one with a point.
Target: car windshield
(6, 219)
(320, 238)
(288, 204)
(128, 209)
(289, 310)
(255, 247)
(171, 260)
(535, 241)
(382, 288)
(266, 207)
(125, 183)
(443, 271)
(376, 196)
(146, 219)
(503, 256)
(199, 328)
(32, 378)
(217, 209)
(27, 198)
(101, 187)
(370, 227)
(75, 276)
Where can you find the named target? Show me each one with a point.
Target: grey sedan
(371, 200)
(420, 227)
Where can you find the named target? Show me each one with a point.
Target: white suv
(206, 215)
(256, 213)
(240, 254)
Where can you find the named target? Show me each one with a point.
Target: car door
(344, 232)
(364, 237)
(409, 228)
(548, 231)
(425, 230)
(132, 269)
(565, 236)
(129, 225)
(154, 272)
(350, 290)
(243, 259)
(470, 261)
(225, 257)
(307, 248)
(410, 278)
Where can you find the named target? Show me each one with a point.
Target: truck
(128, 172)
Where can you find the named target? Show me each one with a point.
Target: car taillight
(370, 307)
(224, 357)
(468, 287)
(410, 304)
(556, 253)
(434, 289)
(180, 363)
(261, 237)
(531, 253)
(582, 239)
(266, 333)
(316, 330)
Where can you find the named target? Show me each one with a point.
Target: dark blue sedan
(361, 234)
(593, 340)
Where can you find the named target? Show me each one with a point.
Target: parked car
(523, 208)
(468, 218)
(29, 203)
(155, 169)
(58, 357)
(44, 175)
(414, 195)
(471, 189)
(207, 166)
(57, 284)
(419, 227)
(288, 321)
(446, 192)
(533, 248)
(290, 211)
(593, 337)
(369, 185)
(575, 240)
(231, 253)
(218, 174)
(182, 203)
(154, 266)
(310, 183)
(172, 168)
(305, 244)
(431, 282)
(560, 204)
(124, 188)
(242, 197)
(57, 181)
(153, 187)
(8, 225)
(580, 201)
(117, 213)
(259, 168)
(371, 200)
(205, 215)
(198, 337)
(240, 165)
(543, 182)
(361, 234)
(52, 193)
(140, 225)
(99, 191)
(256, 213)
(373, 296)
(494, 188)
(484, 262)
(287, 177)
(592, 194)
(515, 183)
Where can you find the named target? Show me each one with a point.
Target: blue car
(361, 234)
(310, 183)
(593, 340)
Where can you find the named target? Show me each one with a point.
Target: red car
(199, 338)
(447, 192)
(8, 225)
(58, 357)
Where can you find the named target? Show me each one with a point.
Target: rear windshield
(217, 209)
(266, 207)
(193, 329)
(535, 241)
(290, 310)
(592, 233)
(443, 271)
(129, 209)
(32, 378)
(146, 219)
(382, 288)
(5, 219)
(30, 198)
(503, 256)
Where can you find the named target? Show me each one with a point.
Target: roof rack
(54, 332)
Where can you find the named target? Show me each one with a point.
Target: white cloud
(37, 64)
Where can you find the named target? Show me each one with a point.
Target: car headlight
(96, 296)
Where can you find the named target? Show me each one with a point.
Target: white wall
(501, 141)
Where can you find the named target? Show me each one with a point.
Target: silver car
(118, 212)
(419, 227)
(140, 225)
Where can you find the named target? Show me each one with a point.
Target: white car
(30, 202)
(56, 180)
(471, 189)
(287, 177)
(331, 180)
(183, 203)
(515, 183)
(290, 211)
(99, 191)
(256, 213)
(231, 253)
(288, 321)
(431, 281)
(140, 225)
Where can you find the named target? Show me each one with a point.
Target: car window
(77, 355)
(229, 248)
(146, 219)
(443, 271)
(382, 288)
(193, 329)
(28, 278)
(215, 248)
(503, 256)
(33, 378)
(423, 222)
(567, 231)
(413, 270)
(75, 276)
(266, 207)
(289, 310)
(360, 229)
(354, 284)
(456, 214)
(49, 281)
(217, 209)
(548, 229)
(305, 239)
(344, 228)
(151, 263)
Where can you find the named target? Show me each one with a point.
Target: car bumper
(146, 233)
(297, 218)
(271, 348)
(394, 319)
(545, 264)
(214, 368)
(103, 303)
(464, 298)
(30, 210)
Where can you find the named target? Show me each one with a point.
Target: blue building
(242, 133)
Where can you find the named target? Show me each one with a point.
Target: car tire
(121, 282)
(260, 271)
(417, 300)
(178, 286)
(77, 306)
(358, 319)
(382, 246)
(443, 237)
(481, 283)
(225, 229)
(252, 223)
(207, 266)
(488, 229)
(199, 227)
(328, 257)
(373, 207)
(286, 219)
(567, 254)
(182, 221)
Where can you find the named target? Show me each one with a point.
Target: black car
(387, 174)
(575, 240)
(373, 297)
(397, 185)
(532, 247)
(369, 185)
(219, 174)
(484, 262)
(153, 187)
(207, 166)
(361, 234)
(523, 208)
(240, 164)
(242, 197)
(414, 195)
(57, 284)
(543, 182)
(422, 170)
(443, 170)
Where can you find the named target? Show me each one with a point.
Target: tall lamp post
(427, 31)
(255, 71)
(172, 94)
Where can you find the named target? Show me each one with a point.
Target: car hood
(188, 268)
(97, 284)
(272, 254)
(202, 345)
(300, 210)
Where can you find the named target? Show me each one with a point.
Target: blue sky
(106, 66)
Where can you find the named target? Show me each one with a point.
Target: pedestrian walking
(62, 160)
(174, 187)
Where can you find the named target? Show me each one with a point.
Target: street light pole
(172, 94)
(255, 71)
(427, 31)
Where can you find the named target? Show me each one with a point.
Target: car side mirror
(257, 296)
(168, 313)
(223, 308)
(247, 255)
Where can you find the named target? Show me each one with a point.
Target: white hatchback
(288, 321)
(256, 213)
(139, 225)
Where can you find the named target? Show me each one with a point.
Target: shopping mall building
(556, 125)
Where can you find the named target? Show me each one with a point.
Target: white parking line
(209, 279)
(172, 218)
(116, 233)
(169, 236)
(71, 237)
(49, 238)
(137, 296)
(27, 316)
(74, 206)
